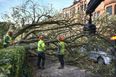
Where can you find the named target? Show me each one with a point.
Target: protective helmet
(113, 37)
(41, 37)
(61, 38)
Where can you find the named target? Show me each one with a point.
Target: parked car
(100, 56)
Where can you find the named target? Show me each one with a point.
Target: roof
(74, 3)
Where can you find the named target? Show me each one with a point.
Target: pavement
(51, 69)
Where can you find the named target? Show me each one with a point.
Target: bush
(12, 61)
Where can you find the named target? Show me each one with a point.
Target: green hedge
(11, 61)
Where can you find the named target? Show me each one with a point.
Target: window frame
(109, 9)
(115, 9)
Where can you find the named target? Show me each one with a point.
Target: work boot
(43, 68)
(39, 67)
(60, 67)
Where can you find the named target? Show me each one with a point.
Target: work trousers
(61, 60)
(41, 59)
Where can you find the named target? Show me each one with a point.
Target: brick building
(79, 6)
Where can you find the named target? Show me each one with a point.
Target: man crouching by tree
(61, 51)
(8, 39)
(41, 52)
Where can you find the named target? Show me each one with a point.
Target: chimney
(75, 1)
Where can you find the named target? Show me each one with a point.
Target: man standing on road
(61, 51)
(41, 52)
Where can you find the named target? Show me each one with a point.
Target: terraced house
(79, 6)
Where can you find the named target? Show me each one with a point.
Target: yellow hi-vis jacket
(61, 48)
(41, 46)
(7, 40)
(113, 38)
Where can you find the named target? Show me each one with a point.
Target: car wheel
(100, 60)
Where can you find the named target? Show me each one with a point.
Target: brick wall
(81, 6)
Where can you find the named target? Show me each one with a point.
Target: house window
(109, 10)
(73, 11)
(78, 8)
(97, 14)
(81, 7)
(84, 7)
(66, 15)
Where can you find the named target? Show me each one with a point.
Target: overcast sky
(5, 5)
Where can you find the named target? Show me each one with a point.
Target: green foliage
(4, 26)
(83, 62)
(12, 61)
(79, 55)
(106, 24)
